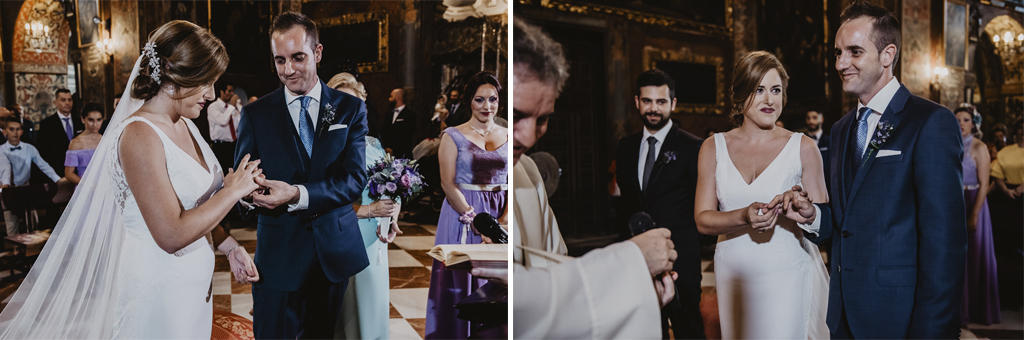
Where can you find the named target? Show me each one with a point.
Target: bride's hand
(242, 266)
(760, 217)
(244, 181)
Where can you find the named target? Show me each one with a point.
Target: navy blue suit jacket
(334, 177)
(898, 226)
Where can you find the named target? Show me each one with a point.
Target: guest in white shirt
(21, 157)
(223, 115)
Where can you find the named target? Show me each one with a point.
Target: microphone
(639, 223)
(488, 226)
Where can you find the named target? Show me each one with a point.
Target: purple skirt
(448, 287)
(981, 289)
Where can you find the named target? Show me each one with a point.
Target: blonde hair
(347, 80)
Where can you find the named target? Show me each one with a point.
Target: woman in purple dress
(981, 290)
(81, 149)
(474, 175)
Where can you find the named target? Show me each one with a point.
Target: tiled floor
(409, 271)
(409, 274)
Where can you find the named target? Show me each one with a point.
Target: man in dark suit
(657, 174)
(897, 221)
(57, 131)
(311, 141)
(399, 128)
(815, 120)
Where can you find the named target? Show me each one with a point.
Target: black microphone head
(488, 226)
(640, 222)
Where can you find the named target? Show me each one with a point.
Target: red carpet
(228, 326)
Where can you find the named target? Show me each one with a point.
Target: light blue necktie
(862, 132)
(306, 126)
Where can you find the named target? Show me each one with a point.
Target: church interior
(423, 49)
(953, 53)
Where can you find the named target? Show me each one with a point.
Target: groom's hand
(796, 205)
(275, 194)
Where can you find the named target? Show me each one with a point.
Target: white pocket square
(883, 153)
(336, 126)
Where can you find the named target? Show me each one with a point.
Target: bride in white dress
(129, 257)
(771, 282)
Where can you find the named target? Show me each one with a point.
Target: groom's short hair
(885, 27)
(287, 20)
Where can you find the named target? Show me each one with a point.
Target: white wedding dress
(101, 274)
(167, 295)
(771, 285)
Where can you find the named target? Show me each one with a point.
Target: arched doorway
(1000, 69)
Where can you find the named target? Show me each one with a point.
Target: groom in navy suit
(310, 139)
(897, 221)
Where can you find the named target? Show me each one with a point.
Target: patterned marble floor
(409, 271)
(409, 274)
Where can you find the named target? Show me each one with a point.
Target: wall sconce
(938, 73)
(38, 35)
(1007, 46)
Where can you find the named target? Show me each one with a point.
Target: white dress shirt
(660, 136)
(398, 110)
(816, 135)
(220, 115)
(6, 174)
(65, 121)
(21, 162)
(878, 104)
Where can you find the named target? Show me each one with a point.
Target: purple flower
(391, 186)
(395, 174)
(373, 190)
(406, 180)
(882, 132)
(380, 188)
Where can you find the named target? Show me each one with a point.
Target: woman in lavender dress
(474, 175)
(981, 289)
(82, 147)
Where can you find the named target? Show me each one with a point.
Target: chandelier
(38, 36)
(1007, 45)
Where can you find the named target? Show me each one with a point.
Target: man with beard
(657, 174)
(815, 120)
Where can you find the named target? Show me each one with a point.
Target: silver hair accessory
(154, 63)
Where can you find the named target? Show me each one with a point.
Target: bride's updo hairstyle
(187, 55)
(747, 76)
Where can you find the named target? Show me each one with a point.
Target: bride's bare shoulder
(139, 139)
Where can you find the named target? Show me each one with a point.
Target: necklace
(482, 133)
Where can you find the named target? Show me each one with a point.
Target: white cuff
(248, 206)
(303, 202)
(814, 226)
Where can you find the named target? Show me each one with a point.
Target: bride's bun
(188, 55)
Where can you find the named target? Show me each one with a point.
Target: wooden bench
(26, 247)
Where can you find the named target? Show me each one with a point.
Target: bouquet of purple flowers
(395, 179)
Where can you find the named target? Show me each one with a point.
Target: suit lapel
(280, 116)
(890, 116)
(322, 127)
